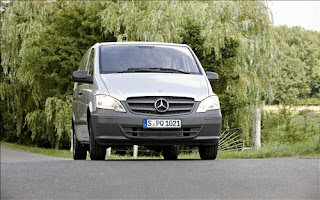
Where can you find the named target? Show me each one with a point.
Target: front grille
(177, 105)
(173, 133)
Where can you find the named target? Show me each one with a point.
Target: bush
(289, 126)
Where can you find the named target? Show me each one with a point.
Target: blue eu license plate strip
(145, 123)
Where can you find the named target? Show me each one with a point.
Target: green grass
(33, 149)
(307, 149)
(128, 157)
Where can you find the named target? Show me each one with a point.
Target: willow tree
(43, 42)
(233, 38)
(21, 24)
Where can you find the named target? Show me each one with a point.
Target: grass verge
(33, 149)
(307, 149)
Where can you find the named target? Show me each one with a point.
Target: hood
(124, 85)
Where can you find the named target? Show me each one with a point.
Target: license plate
(162, 123)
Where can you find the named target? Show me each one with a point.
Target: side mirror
(82, 77)
(212, 77)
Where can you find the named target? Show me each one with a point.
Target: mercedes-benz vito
(139, 93)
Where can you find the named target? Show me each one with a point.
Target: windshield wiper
(170, 70)
(154, 69)
(132, 70)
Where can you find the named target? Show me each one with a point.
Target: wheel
(170, 152)
(97, 151)
(208, 152)
(79, 150)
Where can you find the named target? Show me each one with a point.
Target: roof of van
(141, 43)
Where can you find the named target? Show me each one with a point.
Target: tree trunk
(19, 130)
(56, 145)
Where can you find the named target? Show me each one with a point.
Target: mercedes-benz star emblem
(161, 105)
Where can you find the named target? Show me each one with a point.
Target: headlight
(210, 103)
(108, 102)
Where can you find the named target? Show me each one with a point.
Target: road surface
(32, 176)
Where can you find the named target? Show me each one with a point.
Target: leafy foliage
(43, 42)
(298, 62)
(289, 126)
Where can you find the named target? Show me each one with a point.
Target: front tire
(170, 152)
(208, 152)
(97, 151)
(79, 150)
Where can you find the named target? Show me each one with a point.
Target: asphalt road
(31, 176)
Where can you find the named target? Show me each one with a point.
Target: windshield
(146, 58)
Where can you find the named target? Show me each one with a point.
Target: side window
(84, 60)
(82, 66)
(91, 62)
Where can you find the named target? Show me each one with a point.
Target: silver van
(139, 93)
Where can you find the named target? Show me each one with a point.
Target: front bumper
(114, 128)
